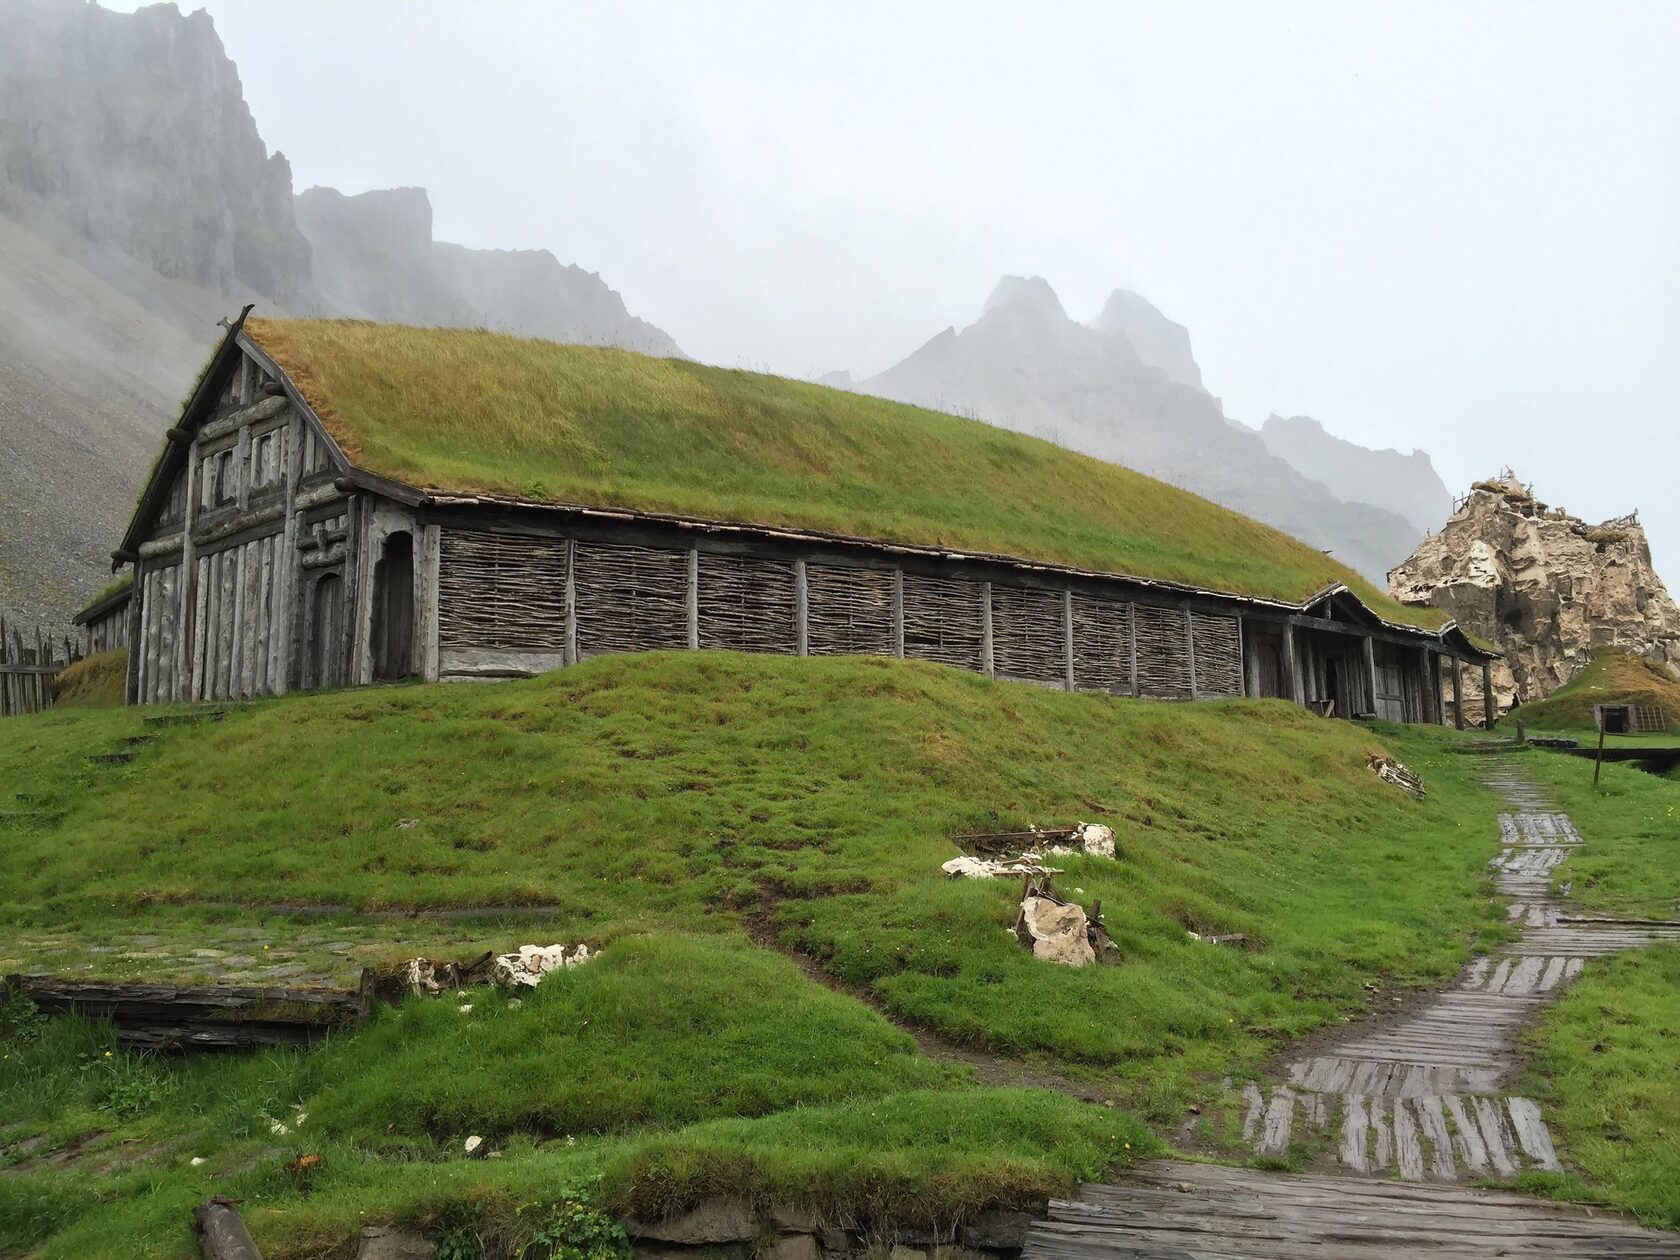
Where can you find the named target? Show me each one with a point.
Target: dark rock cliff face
(132, 130)
(375, 258)
(1406, 485)
(1026, 365)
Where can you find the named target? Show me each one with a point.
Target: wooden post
(1488, 714)
(1434, 659)
(693, 598)
(1250, 685)
(986, 658)
(1295, 684)
(569, 647)
(898, 613)
(1067, 636)
(1190, 647)
(1131, 624)
(1369, 652)
(222, 1234)
(1598, 765)
(290, 585)
(1458, 695)
(801, 610)
(429, 574)
(131, 684)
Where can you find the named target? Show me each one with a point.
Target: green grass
(485, 411)
(699, 792)
(675, 809)
(1612, 677)
(673, 1068)
(1606, 1059)
(1630, 865)
(95, 682)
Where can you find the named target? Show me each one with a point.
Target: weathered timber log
(238, 415)
(221, 1232)
(199, 1017)
(996, 842)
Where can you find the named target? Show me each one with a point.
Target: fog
(1441, 225)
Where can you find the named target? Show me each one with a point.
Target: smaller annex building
(266, 558)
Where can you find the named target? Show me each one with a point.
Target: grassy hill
(1612, 677)
(701, 819)
(484, 411)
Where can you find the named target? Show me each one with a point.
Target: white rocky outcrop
(1544, 585)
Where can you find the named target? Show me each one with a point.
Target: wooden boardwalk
(1418, 1098)
(1181, 1211)
(1421, 1096)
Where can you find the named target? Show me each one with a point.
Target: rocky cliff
(1406, 485)
(1546, 586)
(132, 130)
(139, 205)
(1026, 365)
(375, 258)
(1159, 342)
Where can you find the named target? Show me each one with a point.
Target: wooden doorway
(324, 657)
(393, 609)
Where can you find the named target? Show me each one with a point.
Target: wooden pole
(898, 613)
(1598, 765)
(1190, 650)
(986, 660)
(801, 610)
(222, 1234)
(1488, 714)
(1131, 649)
(570, 643)
(1292, 666)
(1458, 695)
(693, 598)
(1067, 638)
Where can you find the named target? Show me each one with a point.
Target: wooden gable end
(236, 440)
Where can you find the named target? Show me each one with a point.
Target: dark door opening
(393, 609)
(1332, 693)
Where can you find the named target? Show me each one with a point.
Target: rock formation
(375, 259)
(138, 206)
(132, 130)
(1026, 365)
(1545, 586)
(1158, 341)
(1406, 485)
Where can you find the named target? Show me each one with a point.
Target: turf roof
(469, 410)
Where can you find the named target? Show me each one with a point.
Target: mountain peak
(1158, 341)
(1031, 293)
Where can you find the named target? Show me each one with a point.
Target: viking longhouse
(344, 503)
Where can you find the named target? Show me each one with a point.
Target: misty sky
(1454, 226)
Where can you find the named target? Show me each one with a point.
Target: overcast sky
(1453, 226)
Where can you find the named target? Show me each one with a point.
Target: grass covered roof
(467, 410)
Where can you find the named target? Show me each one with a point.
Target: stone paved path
(1421, 1098)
